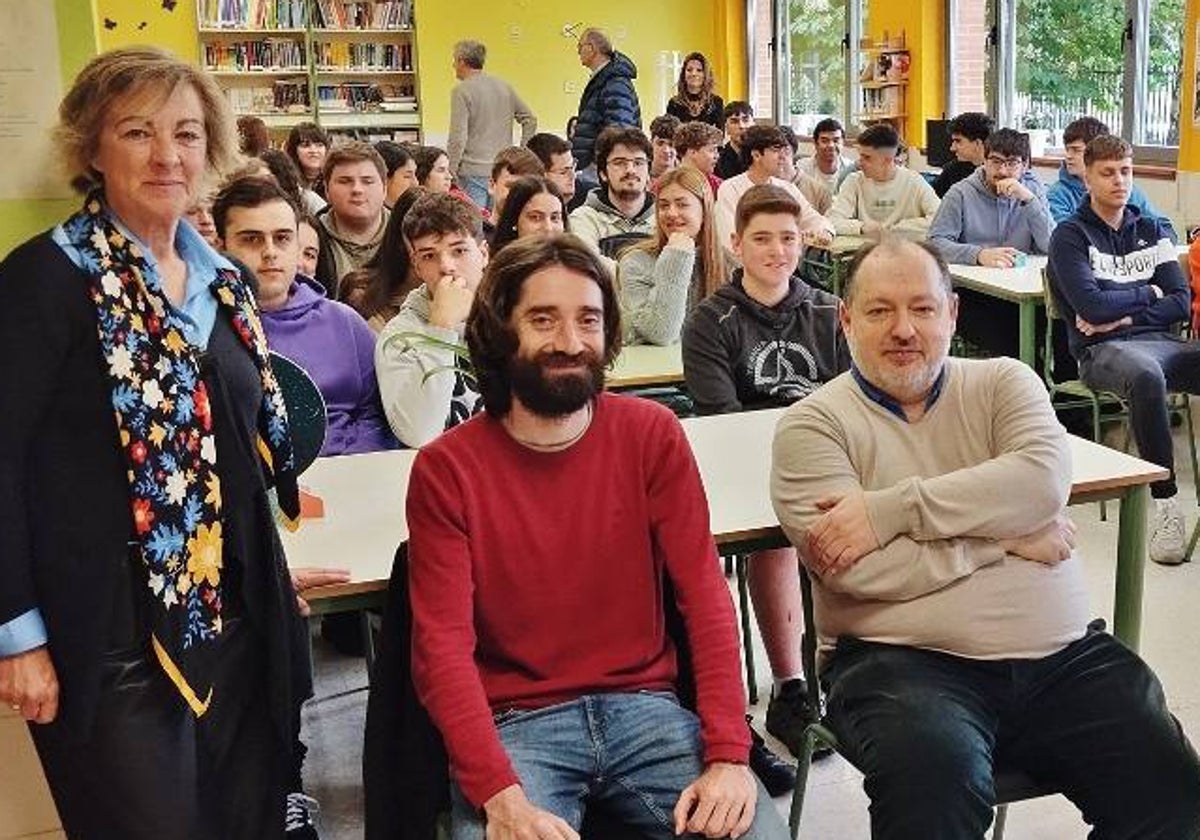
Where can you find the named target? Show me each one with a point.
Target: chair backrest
(1053, 314)
(808, 641)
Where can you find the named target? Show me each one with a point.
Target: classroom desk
(1022, 286)
(841, 251)
(646, 366)
(364, 509)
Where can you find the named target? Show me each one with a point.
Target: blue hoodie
(1102, 275)
(1068, 193)
(336, 347)
(973, 217)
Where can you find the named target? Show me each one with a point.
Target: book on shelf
(283, 97)
(252, 14)
(350, 56)
(266, 54)
(364, 14)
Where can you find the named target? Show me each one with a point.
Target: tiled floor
(836, 806)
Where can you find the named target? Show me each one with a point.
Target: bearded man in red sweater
(542, 534)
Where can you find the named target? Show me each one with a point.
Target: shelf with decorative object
(883, 81)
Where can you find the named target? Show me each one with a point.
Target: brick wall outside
(970, 57)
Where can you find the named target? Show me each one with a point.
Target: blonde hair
(712, 262)
(134, 71)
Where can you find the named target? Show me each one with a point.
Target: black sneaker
(777, 776)
(789, 714)
(300, 817)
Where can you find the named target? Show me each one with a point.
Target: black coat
(712, 114)
(65, 519)
(608, 99)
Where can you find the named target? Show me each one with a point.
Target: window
(822, 40)
(1117, 60)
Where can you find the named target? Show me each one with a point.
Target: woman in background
(377, 290)
(694, 100)
(307, 146)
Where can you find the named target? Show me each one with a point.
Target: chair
(1011, 785)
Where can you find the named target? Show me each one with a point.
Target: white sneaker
(1168, 533)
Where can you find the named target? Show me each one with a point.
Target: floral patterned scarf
(166, 430)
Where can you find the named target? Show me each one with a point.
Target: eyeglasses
(1005, 163)
(629, 163)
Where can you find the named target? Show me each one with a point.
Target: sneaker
(777, 776)
(300, 817)
(1168, 533)
(789, 714)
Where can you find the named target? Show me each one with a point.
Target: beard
(556, 394)
(903, 384)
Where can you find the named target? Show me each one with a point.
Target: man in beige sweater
(883, 196)
(926, 496)
(482, 111)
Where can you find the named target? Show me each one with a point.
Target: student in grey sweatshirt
(663, 279)
(1001, 209)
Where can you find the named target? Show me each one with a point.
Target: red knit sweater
(537, 578)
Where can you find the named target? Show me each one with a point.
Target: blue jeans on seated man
(476, 188)
(1142, 369)
(635, 753)
(1091, 720)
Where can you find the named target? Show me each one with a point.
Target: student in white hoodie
(881, 196)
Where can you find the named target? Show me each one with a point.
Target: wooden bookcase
(883, 80)
(347, 65)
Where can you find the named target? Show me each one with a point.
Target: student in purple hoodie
(257, 225)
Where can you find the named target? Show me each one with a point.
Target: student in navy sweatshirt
(1116, 278)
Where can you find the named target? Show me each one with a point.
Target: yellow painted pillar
(924, 25)
(729, 59)
(1189, 133)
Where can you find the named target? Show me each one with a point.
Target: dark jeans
(1142, 369)
(925, 728)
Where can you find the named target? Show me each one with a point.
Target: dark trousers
(1142, 369)
(925, 729)
(150, 769)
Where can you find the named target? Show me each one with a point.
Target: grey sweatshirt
(972, 218)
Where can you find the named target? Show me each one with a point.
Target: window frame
(782, 59)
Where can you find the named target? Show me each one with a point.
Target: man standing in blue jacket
(1116, 277)
(609, 97)
(1069, 191)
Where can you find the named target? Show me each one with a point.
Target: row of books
(343, 55)
(878, 101)
(253, 14)
(285, 96)
(364, 14)
(362, 96)
(271, 54)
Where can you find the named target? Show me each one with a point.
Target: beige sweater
(988, 461)
(905, 205)
(482, 111)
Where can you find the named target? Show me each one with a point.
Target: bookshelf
(883, 82)
(348, 65)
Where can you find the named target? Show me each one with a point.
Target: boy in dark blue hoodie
(1116, 278)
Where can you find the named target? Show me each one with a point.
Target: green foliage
(413, 342)
(818, 71)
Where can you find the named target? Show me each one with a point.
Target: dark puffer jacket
(608, 99)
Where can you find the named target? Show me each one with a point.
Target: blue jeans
(1142, 368)
(476, 186)
(925, 728)
(634, 753)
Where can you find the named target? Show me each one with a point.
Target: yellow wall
(924, 26)
(527, 48)
(1189, 135)
(171, 30)
(76, 44)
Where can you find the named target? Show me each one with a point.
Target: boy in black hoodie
(767, 339)
(1117, 280)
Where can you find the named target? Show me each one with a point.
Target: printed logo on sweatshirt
(1134, 267)
(783, 369)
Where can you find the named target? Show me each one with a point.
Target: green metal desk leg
(1131, 563)
(1027, 311)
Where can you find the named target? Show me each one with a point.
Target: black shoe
(299, 818)
(789, 714)
(777, 776)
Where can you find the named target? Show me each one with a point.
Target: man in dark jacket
(1117, 280)
(609, 97)
(767, 339)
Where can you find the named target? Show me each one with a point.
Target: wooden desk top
(1008, 283)
(364, 495)
(646, 365)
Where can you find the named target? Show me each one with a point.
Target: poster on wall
(30, 89)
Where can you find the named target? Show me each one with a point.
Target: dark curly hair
(490, 335)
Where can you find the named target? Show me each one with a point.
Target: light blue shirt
(198, 313)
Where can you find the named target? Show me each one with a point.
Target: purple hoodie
(334, 344)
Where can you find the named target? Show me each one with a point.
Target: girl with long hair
(694, 100)
(534, 206)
